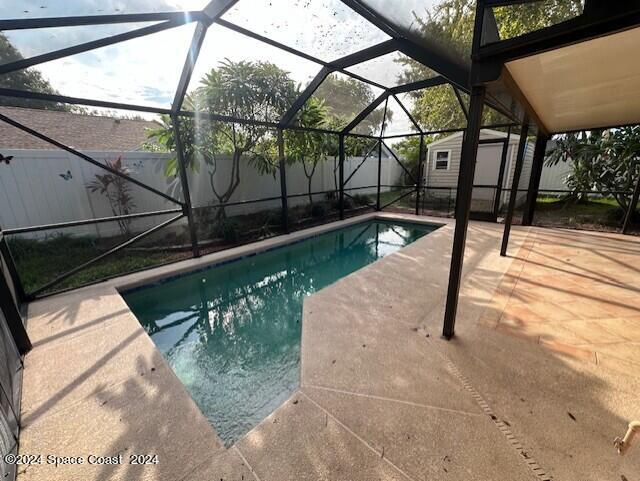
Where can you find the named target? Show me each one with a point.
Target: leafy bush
(318, 210)
(227, 230)
(360, 199)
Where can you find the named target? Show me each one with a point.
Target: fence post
(182, 169)
(420, 167)
(341, 156)
(283, 182)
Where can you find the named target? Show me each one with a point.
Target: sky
(146, 70)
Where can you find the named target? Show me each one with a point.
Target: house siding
(449, 178)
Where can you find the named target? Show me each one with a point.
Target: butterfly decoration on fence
(6, 158)
(66, 176)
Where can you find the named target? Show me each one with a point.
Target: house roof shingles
(80, 131)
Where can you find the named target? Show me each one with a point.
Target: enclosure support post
(503, 163)
(184, 181)
(463, 206)
(14, 320)
(5, 254)
(419, 179)
(632, 206)
(514, 187)
(379, 173)
(534, 178)
(283, 181)
(341, 172)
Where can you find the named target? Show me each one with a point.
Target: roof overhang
(586, 85)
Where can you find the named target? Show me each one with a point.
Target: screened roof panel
(371, 124)
(442, 25)
(515, 20)
(391, 70)
(435, 108)
(143, 71)
(397, 122)
(344, 98)
(32, 42)
(325, 29)
(68, 8)
(246, 56)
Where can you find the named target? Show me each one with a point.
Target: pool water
(231, 332)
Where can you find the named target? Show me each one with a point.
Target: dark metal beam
(400, 197)
(66, 148)
(306, 94)
(341, 155)
(579, 29)
(534, 178)
(13, 318)
(419, 85)
(460, 101)
(463, 207)
(372, 16)
(216, 8)
(366, 54)
(361, 163)
(632, 207)
(85, 47)
(379, 175)
(5, 253)
(63, 99)
(413, 121)
(406, 171)
(111, 251)
(362, 115)
(189, 64)
(184, 182)
(282, 166)
(453, 72)
(420, 173)
(514, 187)
(78, 223)
(31, 23)
(503, 163)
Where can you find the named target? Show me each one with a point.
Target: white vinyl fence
(50, 186)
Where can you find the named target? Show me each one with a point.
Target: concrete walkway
(381, 397)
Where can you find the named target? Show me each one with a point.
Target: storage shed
(493, 174)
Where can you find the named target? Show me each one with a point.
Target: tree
(450, 24)
(606, 161)
(308, 147)
(26, 79)
(255, 91)
(344, 98)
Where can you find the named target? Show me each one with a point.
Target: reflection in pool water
(231, 333)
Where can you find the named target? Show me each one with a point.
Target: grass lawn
(39, 262)
(602, 214)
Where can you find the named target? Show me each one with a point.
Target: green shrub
(361, 199)
(227, 230)
(318, 210)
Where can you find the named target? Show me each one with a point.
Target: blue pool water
(231, 332)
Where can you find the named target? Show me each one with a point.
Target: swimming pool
(231, 332)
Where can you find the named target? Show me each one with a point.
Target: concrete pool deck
(381, 396)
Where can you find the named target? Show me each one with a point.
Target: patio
(487, 405)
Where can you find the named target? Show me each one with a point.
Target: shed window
(441, 161)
